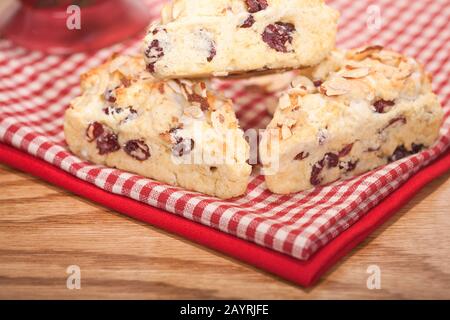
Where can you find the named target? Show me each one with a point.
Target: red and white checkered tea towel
(35, 89)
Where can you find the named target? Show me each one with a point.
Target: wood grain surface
(44, 229)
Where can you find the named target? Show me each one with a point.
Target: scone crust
(156, 117)
(200, 38)
(354, 112)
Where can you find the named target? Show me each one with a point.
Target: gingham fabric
(35, 89)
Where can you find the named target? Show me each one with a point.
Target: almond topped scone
(352, 113)
(177, 132)
(200, 38)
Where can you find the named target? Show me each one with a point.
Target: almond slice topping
(405, 71)
(193, 112)
(355, 73)
(286, 133)
(285, 102)
(364, 53)
(335, 87)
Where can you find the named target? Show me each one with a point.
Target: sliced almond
(174, 86)
(388, 58)
(302, 83)
(187, 85)
(364, 53)
(217, 119)
(290, 122)
(405, 70)
(299, 91)
(285, 102)
(286, 132)
(193, 112)
(350, 65)
(200, 89)
(335, 87)
(355, 73)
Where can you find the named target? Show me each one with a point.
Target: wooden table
(44, 229)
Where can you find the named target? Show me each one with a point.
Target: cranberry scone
(354, 112)
(200, 38)
(177, 132)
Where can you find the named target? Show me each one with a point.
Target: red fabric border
(304, 273)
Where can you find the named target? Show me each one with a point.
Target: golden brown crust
(154, 118)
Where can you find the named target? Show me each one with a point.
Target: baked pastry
(354, 112)
(200, 38)
(177, 132)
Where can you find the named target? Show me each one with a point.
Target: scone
(200, 38)
(177, 132)
(354, 112)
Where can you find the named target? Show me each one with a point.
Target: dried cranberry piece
(331, 160)
(315, 174)
(151, 67)
(173, 131)
(256, 5)
(394, 121)
(110, 96)
(107, 143)
(133, 114)
(154, 52)
(137, 149)
(112, 110)
(416, 148)
(317, 83)
(278, 35)
(157, 30)
(399, 153)
(132, 110)
(182, 147)
(248, 22)
(346, 150)
(399, 119)
(93, 131)
(212, 52)
(349, 165)
(382, 105)
(302, 156)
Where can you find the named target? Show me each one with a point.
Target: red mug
(68, 26)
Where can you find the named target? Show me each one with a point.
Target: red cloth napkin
(295, 236)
